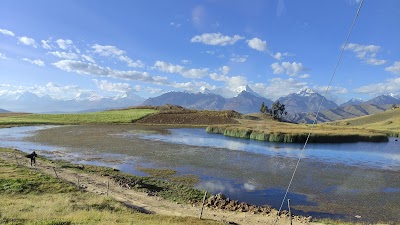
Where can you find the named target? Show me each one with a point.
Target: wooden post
(55, 172)
(290, 213)
(202, 205)
(79, 186)
(16, 159)
(108, 186)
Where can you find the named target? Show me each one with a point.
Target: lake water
(333, 180)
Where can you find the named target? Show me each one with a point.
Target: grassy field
(30, 197)
(105, 117)
(387, 122)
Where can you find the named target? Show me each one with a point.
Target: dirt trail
(141, 201)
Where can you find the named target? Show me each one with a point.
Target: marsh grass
(157, 173)
(30, 197)
(105, 117)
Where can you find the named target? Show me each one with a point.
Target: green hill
(387, 121)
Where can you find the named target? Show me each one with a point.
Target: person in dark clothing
(32, 156)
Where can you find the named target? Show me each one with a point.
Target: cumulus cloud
(281, 55)
(386, 87)
(395, 68)
(84, 68)
(178, 69)
(238, 58)
(37, 62)
(232, 85)
(112, 87)
(224, 70)
(112, 51)
(28, 41)
(366, 52)
(291, 69)
(64, 55)
(216, 39)
(7, 32)
(257, 44)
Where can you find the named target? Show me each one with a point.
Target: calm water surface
(332, 179)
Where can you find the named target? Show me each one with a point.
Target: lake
(333, 180)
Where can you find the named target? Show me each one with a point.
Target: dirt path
(141, 201)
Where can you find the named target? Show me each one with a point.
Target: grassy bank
(105, 117)
(274, 131)
(30, 197)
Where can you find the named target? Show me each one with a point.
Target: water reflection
(365, 154)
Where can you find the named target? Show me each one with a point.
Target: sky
(67, 49)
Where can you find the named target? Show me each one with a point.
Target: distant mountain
(188, 100)
(4, 111)
(30, 102)
(340, 113)
(384, 99)
(353, 101)
(247, 102)
(306, 100)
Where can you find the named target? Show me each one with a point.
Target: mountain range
(301, 106)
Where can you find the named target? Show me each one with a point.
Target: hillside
(340, 113)
(4, 111)
(388, 121)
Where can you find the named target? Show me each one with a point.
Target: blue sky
(112, 48)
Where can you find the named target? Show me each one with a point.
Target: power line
(319, 109)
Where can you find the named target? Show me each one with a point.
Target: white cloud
(238, 58)
(107, 50)
(280, 56)
(7, 32)
(112, 51)
(395, 68)
(232, 84)
(27, 41)
(224, 70)
(257, 44)
(291, 69)
(216, 39)
(151, 90)
(64, 55)
(186, 61)
(46, 45)
(130, 62)
(185, 86)
(112, 87)
(64, 44)
(88, 58)
(84, 68)
(332, 89)
(278, 87)
(2, 56)
(386, 87)
(304, 76)
(178, 69)
(37, 62)
(366, 52)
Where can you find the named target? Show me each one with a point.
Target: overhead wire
(318, 111)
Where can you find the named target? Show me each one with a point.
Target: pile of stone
(220, 201)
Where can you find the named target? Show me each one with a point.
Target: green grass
(30, 197)
(387, 122)
(105, 117)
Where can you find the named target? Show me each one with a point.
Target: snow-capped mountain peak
(205, 90)
(305, 92)
(396, 96)
(247, 89)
